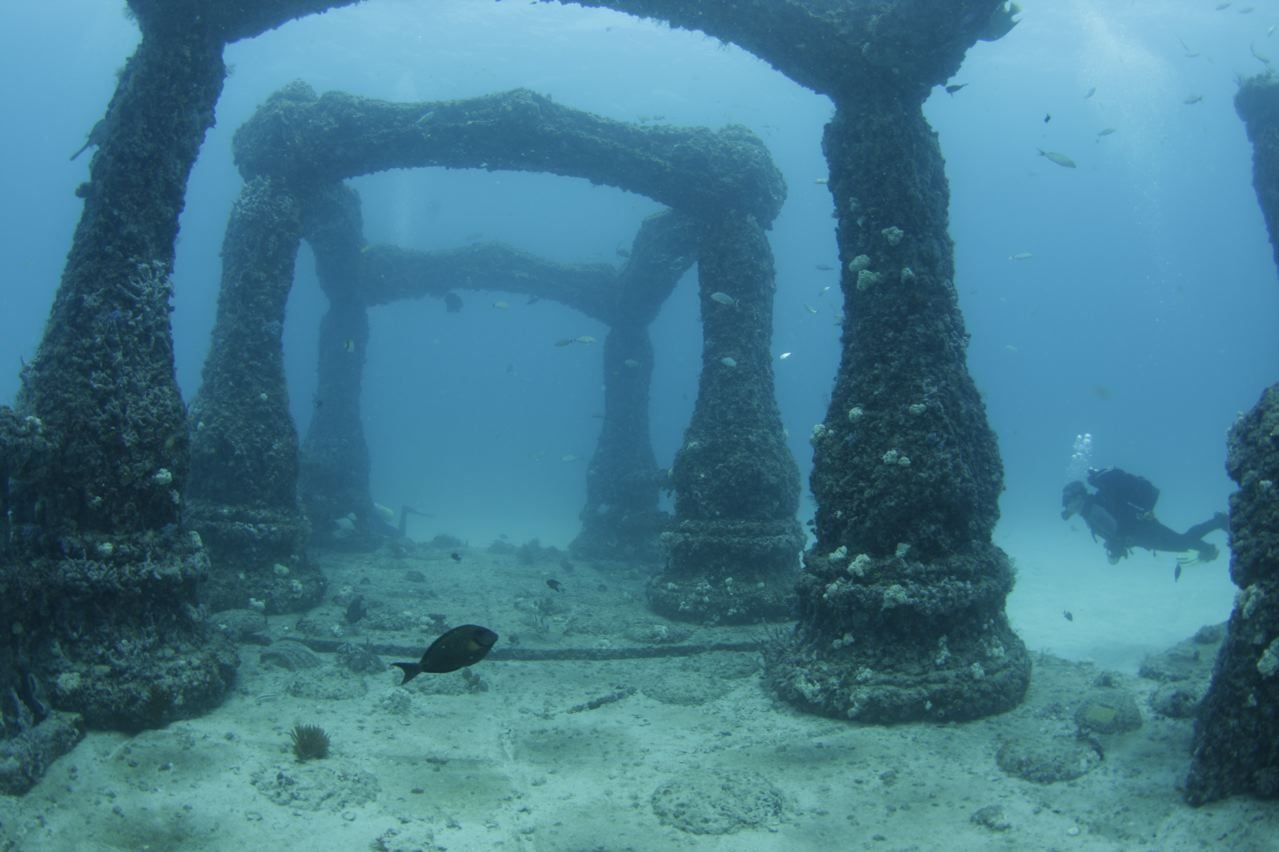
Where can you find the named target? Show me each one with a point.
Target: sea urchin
(310, 742)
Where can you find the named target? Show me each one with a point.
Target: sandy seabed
(669, 752)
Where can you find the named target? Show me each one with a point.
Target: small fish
(1105, 131)
(728, 361)
(566, 341)
(1058, 158)
(955, 87)
(1191, 100)
(458, 648)
(631, 363)
(822, 181)
(452, 302)
(1021, 255)
(456, 556)
(824, 267)
(1270, 31)
(1176, 571)
(1088, 94)
(348, 345)
(723, 298)
(783, 356)
(1257, 56)
(584, 338)
(500, 305)
(1068, 615)
(810, 308)
(1047, 118)
(568, 458)
(355, 610)
(555, 584)
(99, 133)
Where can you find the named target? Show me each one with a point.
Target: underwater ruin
(128, 517)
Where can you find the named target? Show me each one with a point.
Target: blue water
(1145, 315)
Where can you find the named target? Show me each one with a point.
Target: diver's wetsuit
(1121, 514)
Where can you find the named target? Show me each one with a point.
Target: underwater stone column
(902, 600)
(621, 518)
(244, 449)
(334, 473)
(734, 549)
(97, 595)
(1236, 744)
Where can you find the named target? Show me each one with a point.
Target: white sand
(437, 766)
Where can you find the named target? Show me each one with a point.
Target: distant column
(243, 495)
(334, 472)
(1236, 744)
(902, 603)
(733, 554)
(621, 518)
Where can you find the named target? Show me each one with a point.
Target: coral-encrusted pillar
(733, 553)
(1236, 745)
(334, 471)
(902, 600)
(244, 449)
(621, 518)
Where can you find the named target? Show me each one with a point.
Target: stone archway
(97, 452)
(733, 550)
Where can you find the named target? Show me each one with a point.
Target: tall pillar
(244, 465)
(902, 600)
(1236, 744)
(98, 591)
(733, 552)
(334, 472)
(621, 518)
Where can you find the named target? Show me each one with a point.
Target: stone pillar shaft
(334, 473)
(902, 601)
(1236, 744)
(735, 543)
(99, 595)
(244, 449)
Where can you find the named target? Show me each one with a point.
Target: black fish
(556, 585)
(460, 647)
(954, 87)
(1068, 615)
(356, 610)
(1047, 118)
(452, 302)
(456, 556)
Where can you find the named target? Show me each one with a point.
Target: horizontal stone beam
(317, 140)
(835, 47)
(226, 22)
(389, 274)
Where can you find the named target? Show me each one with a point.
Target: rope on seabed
(548, 654)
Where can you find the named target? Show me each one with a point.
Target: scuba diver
(1121, 512)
